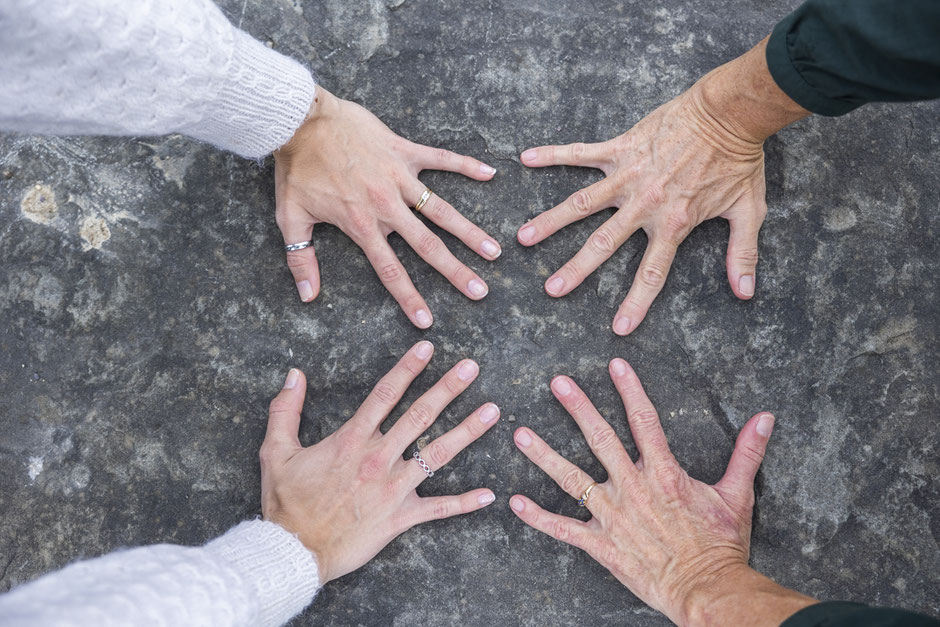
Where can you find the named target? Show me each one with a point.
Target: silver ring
(423, 464)
(300, 246)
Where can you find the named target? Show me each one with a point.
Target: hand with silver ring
(352, 493)
(678, 544)
(344, 167)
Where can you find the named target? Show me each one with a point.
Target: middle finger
(441, 213)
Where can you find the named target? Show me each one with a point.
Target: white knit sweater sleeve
(145, 67)
(256, 574)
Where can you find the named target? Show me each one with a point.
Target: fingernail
(619, 367)
(529, 154)
(487, 169)
(424, 350)
(489, 414)
(486, 499)
(527, 233)
(523, 438)
(423, 318)
(561, 386)
(622, 326)
(468, 370)
(517, 504)
(491, 248)
(477, 288)
(305, 290)
(746, 285)
(291, 380)
(555, 285)
(765, 424)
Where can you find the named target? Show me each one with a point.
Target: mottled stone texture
(147, 318)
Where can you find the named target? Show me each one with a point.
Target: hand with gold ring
(344, 167)
(351, 493)
(678, 544)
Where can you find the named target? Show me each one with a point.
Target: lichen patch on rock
(38, 204)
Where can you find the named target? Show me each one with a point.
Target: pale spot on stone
(35, 467)
(94, 232)
(38, 204)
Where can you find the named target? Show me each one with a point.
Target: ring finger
(443, 449)
(441, 213)
(569, 477)
(432, 249)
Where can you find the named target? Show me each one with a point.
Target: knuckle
(389, 273)
(652, 275)
(297, 259)
(347, 440)
(359, 225)
(582, 202)
(440, 510)
(372, 467)
(577, 404)
(578, 150)
(645, 418)
(436, 209)
(560, 531)
(752, 454)
(443, 155)
(746, 255)
(429, 244)
(603, 241)
(571, 481)
(420, 416)
(679, 224)
(438, 454)
(381, 198)
(603, 438)
(279, 406)
(384, 392)
(655, 194)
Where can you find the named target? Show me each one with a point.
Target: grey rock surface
(147, 318)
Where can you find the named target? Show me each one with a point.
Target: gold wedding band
(582, 502)
(425, 196)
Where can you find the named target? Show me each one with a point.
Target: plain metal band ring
(292, 247)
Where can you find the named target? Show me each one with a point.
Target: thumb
(303, 262)
(284, 412)
(746, 220)
(737, 484)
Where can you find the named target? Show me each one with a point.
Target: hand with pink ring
(344, 167)
(678, 544)
(350, 494)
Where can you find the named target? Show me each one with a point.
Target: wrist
(737, 594)
(322, 107)
(743, 99)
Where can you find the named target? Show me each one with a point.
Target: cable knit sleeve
(256, 574)
(146, 67)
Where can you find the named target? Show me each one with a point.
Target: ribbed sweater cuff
(265, 98)
(281, 570)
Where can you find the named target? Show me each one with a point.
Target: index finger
(427, 158)
(578, 154)
(599, 435)
(644, 422)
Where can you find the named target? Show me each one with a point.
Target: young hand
(345, 167)
(350, 494)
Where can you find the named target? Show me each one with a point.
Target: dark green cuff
(789, 79)
(843, 614)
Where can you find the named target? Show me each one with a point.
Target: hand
(678, 544)
(697, 157)
(351, 494)
(344, 167)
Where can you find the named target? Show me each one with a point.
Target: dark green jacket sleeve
(839, 614)
(832, 56)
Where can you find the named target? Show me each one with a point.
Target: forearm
(256, 574)
(741, 596)
(146, 68)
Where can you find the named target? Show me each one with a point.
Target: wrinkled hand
(344, 167)
(664, 535)
(675, 169)
(350, 494)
